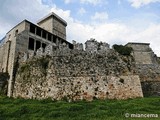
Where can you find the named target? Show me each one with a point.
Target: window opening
(44, 34)
(31, 44)
(38, 32)
(32, 29)
(49, 37)
(38, 45)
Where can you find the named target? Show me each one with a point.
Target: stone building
(54, 24)
(27, 38)
(142, 53)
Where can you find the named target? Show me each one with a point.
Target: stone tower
(142, 53)
(54, 24)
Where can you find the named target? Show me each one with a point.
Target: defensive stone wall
(77, 75)
(150, 78)
(151, 88)
(148, 72)
(93, 46)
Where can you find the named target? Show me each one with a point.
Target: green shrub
(123, 50)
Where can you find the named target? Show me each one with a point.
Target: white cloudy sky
(112, 21)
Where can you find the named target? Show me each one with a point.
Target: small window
(54, 39)
(38, 45)
(49, 37)
(16, 32)
(44, 34)
(32, 28)
(38, 32)
(31, 44)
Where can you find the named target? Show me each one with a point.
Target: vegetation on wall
(123, 50)
(36, 64)
(4, 76)
(3, 83)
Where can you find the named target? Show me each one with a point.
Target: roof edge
(138, 43)
(52, 14)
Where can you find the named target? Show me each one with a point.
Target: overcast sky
(111, 21)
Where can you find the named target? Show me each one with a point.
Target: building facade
(26, 38)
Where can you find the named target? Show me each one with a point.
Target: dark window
(38, 32)
(16, 32)
(44, 34)
(70, 46)
(31, 44)
(54, 39)
(32, 28)
(49, 37)
(43, 45)
(38, 45)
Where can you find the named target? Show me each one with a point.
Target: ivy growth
(123, 50)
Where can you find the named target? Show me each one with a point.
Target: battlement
(93, 46)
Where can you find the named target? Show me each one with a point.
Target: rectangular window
(31, 44)
(44, 34)
(49, 37)
(38, 45)
(32, 28)
(38, 32)
(54, 39)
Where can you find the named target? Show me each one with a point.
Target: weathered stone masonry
(77, 75)
(147, 67)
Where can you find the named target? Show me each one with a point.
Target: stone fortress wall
(77, 74)
(126, 83)
(72, 71)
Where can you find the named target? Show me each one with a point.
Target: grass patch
(20, 109)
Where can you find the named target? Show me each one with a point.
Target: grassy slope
(20, 109)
